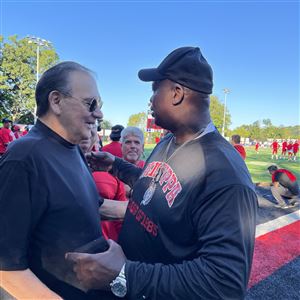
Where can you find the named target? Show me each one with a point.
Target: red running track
(273, 250)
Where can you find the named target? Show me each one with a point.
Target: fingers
(75, 257)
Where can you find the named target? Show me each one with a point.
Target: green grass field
(258, 163)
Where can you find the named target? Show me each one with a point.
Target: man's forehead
(83, 82)
(132, 138)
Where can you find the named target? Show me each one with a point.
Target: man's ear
(55, 99)
(178, 94)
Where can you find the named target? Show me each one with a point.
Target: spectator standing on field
(236, 142)
(257, 145)
(295, 149)
(109, 187)
(6, 135)
(275, 146)
(17, 131)
(290, 150)
(283, 149)
(115, 146)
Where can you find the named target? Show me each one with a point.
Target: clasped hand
(97, 271)
(100, 161)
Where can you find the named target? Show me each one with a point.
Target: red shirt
(290, 146)
(6, 136)
(110, 187)
(241, 150)
(140, 164)
(114, 148)
(284, 146)
(275, 145)
(295, 147)
(17, 134)
(289, 174)
(256, 146)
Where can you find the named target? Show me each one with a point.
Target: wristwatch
(118, 285)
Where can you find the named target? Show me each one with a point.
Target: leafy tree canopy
(18, 67)
(138, 120)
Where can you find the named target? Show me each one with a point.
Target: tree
(242, 131)
(269, 130)
(18, 75)
(217, 113)
(138, 120)
(106, 124)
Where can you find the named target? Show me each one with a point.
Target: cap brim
(150, 75)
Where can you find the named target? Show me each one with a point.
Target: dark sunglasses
(91, 105)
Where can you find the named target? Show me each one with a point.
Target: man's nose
(97, 113)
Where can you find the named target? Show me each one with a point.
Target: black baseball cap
(186, 66)
(6, 120)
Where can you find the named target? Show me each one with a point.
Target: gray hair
(55, 78)
(130, 130)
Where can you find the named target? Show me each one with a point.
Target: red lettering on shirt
(169, 182)
(142, 218)
(173, 193)
(151, 169)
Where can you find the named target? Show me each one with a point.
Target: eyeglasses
(92, 104)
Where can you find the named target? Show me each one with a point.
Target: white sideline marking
(282, 221)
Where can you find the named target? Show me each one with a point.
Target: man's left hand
(97, 271)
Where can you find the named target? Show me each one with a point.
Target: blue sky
(253, 47)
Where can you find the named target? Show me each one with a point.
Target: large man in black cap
(189, 228)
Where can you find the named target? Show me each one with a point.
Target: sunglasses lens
(93, 105)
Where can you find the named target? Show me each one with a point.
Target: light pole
(226, 92)
(39, 43)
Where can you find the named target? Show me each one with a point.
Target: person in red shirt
(257, 146)
(6, 135)
(290, 150)
(275, 147)
(283, 149)
(25, 131)
(236, 140)
(295, 149)
(17, 131)
(114, 147)
(284, 184)
(109, 187)
(132, 140)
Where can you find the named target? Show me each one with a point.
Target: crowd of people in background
(289, 150)
(9, 133)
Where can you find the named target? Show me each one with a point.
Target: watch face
(119, 289)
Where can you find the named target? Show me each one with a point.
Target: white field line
(282, 221)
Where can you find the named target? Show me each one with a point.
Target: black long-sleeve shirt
(195, 237)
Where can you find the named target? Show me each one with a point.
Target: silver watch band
(122, 272)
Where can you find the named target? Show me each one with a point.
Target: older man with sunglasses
(55, 207)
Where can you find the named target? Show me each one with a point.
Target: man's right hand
(100, 161)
